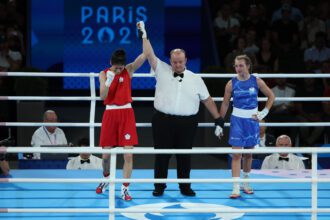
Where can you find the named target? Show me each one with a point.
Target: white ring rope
(76, 180)
(146, 125)
(151, 150)
(204, 75)
(88, 98)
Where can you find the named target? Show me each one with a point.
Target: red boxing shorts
(118, 128)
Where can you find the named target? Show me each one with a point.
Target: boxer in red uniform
(118, 122)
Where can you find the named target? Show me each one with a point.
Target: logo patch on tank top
(252, 90)
(121, 79)
(127, 136)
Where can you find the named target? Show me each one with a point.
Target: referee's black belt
(174, 116)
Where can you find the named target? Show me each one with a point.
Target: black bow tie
(85, 161)
(283, 158)
(178, 74)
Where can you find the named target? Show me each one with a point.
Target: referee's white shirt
(75, 163)
(178, 96)
(273, 162)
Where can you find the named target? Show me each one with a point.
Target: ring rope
(88, 98)
(147, 124)
(204, 75)
(151, 150)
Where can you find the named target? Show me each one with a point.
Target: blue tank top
(245, 93)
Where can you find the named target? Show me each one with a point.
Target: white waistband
(109, 107)
(244, 113)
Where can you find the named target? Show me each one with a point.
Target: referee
(178, 95)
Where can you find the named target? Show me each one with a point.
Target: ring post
(314, 186)
(92, 110)
(112, 185)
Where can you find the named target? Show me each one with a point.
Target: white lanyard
(50, 140)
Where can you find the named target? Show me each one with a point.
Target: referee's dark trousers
(173, 132)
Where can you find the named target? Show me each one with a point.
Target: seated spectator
(315, 55)
(48, 135)
(295, 14)
(326, 81)
(267, 61)
(251, 47)
(283, 160)
(4, 64)
(266, 140)
(226, 30)
(4, 165)
(256, 21)
(285, 31)
(282, 111)
(310, 26)
(266, 58)
(15, 60)
(240, 45)
(84, 161)
(310, 112)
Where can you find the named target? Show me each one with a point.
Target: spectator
(255, 21)
(310, 112)
(310, 26)
(326, 81)
(285, 31)
(4, 64)
(282, 111)
(295, 14)
(84, 161)
(266, 58)
(240, 44)
(267, 61)
(314, 56)
(4, 165)
(226, 29)
(15, 60)
(48, 135)
(251, 47)
(283, 160)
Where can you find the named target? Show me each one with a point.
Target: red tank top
(120, 89)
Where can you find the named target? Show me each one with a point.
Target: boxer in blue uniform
(244, 121)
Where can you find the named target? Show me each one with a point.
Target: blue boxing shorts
(244, 132)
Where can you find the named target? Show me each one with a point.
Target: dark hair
(83, 142)
(118, 57)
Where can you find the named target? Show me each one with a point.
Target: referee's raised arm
(147, 48)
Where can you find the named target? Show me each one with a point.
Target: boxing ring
(41, 194)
